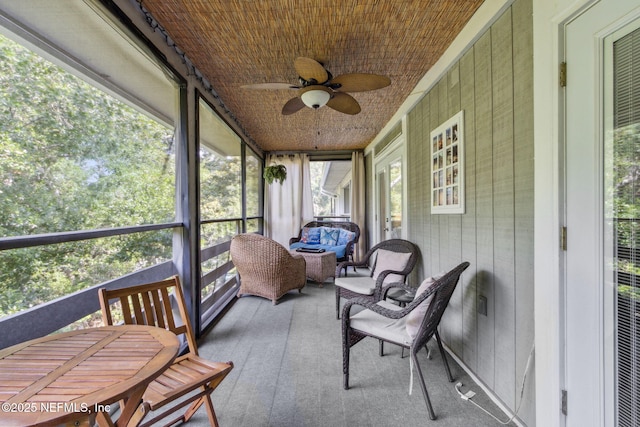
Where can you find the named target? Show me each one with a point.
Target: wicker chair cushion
(310, 235)
(371, 323)
(390, 260)
(345, 237)
(329, 236)
(414, 318)
(363, 285)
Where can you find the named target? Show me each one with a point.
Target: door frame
(397, 148)
(550, 18)
(589, 304)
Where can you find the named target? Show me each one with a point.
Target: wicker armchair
(266, 268)
(409, 327)
(370, 286)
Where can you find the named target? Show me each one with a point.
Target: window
(220, 206)
(74, 157)
(346, 199)
(253, 191)
(90, 147)
(331, 187)
(220, 167)
(78, 155)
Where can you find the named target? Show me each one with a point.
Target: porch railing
(218, 283)
(332, 218)
(59, 313)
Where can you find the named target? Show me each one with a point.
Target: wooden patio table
(72, 378)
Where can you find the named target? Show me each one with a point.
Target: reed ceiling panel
(239, 42)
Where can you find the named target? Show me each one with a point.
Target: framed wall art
(447, 166)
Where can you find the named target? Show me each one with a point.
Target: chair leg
(345, 359)
(432, 414)
(444, 356)
(211, 413)
(193, 408)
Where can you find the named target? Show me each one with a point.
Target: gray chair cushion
(363, 285)
(371, 323)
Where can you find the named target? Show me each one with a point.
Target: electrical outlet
(482, 305)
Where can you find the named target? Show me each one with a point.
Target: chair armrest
(293, 240)
(399, 285)
(404, 272)
(364, 262)
(385, 273)
(388, 313)
(344, 264)
(377, 294)
(296, 267)
(373, 306)
(298, 260)
(349, 248)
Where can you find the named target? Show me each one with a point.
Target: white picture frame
(447, 166)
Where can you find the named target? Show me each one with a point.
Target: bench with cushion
(335, 236)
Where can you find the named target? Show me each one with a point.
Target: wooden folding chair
(189, 375)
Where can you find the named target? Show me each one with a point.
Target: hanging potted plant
(275, 172)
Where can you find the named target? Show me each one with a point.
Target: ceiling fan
(317, 87)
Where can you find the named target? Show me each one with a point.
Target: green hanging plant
(275, 172)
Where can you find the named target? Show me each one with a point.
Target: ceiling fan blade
(310, 70)
(359, 82)
(344, 103)
(293, 106)
(270, 86)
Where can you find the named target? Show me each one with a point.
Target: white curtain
(358, 185)
(288, 206)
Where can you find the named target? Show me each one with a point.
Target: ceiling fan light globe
(315, 98)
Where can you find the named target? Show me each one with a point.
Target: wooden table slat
(104, 339)
(92, 367)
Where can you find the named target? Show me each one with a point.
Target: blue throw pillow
(329, 236)
(313, 236)
(304, 236)
(345, 237)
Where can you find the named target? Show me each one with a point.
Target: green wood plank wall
(492, 82)
(503, 212)
(523, 184)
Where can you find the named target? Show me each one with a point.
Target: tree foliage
(626, 197)
(75, 158)
(626, 170)
(322, 205)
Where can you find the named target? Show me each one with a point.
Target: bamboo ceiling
(240, 42)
